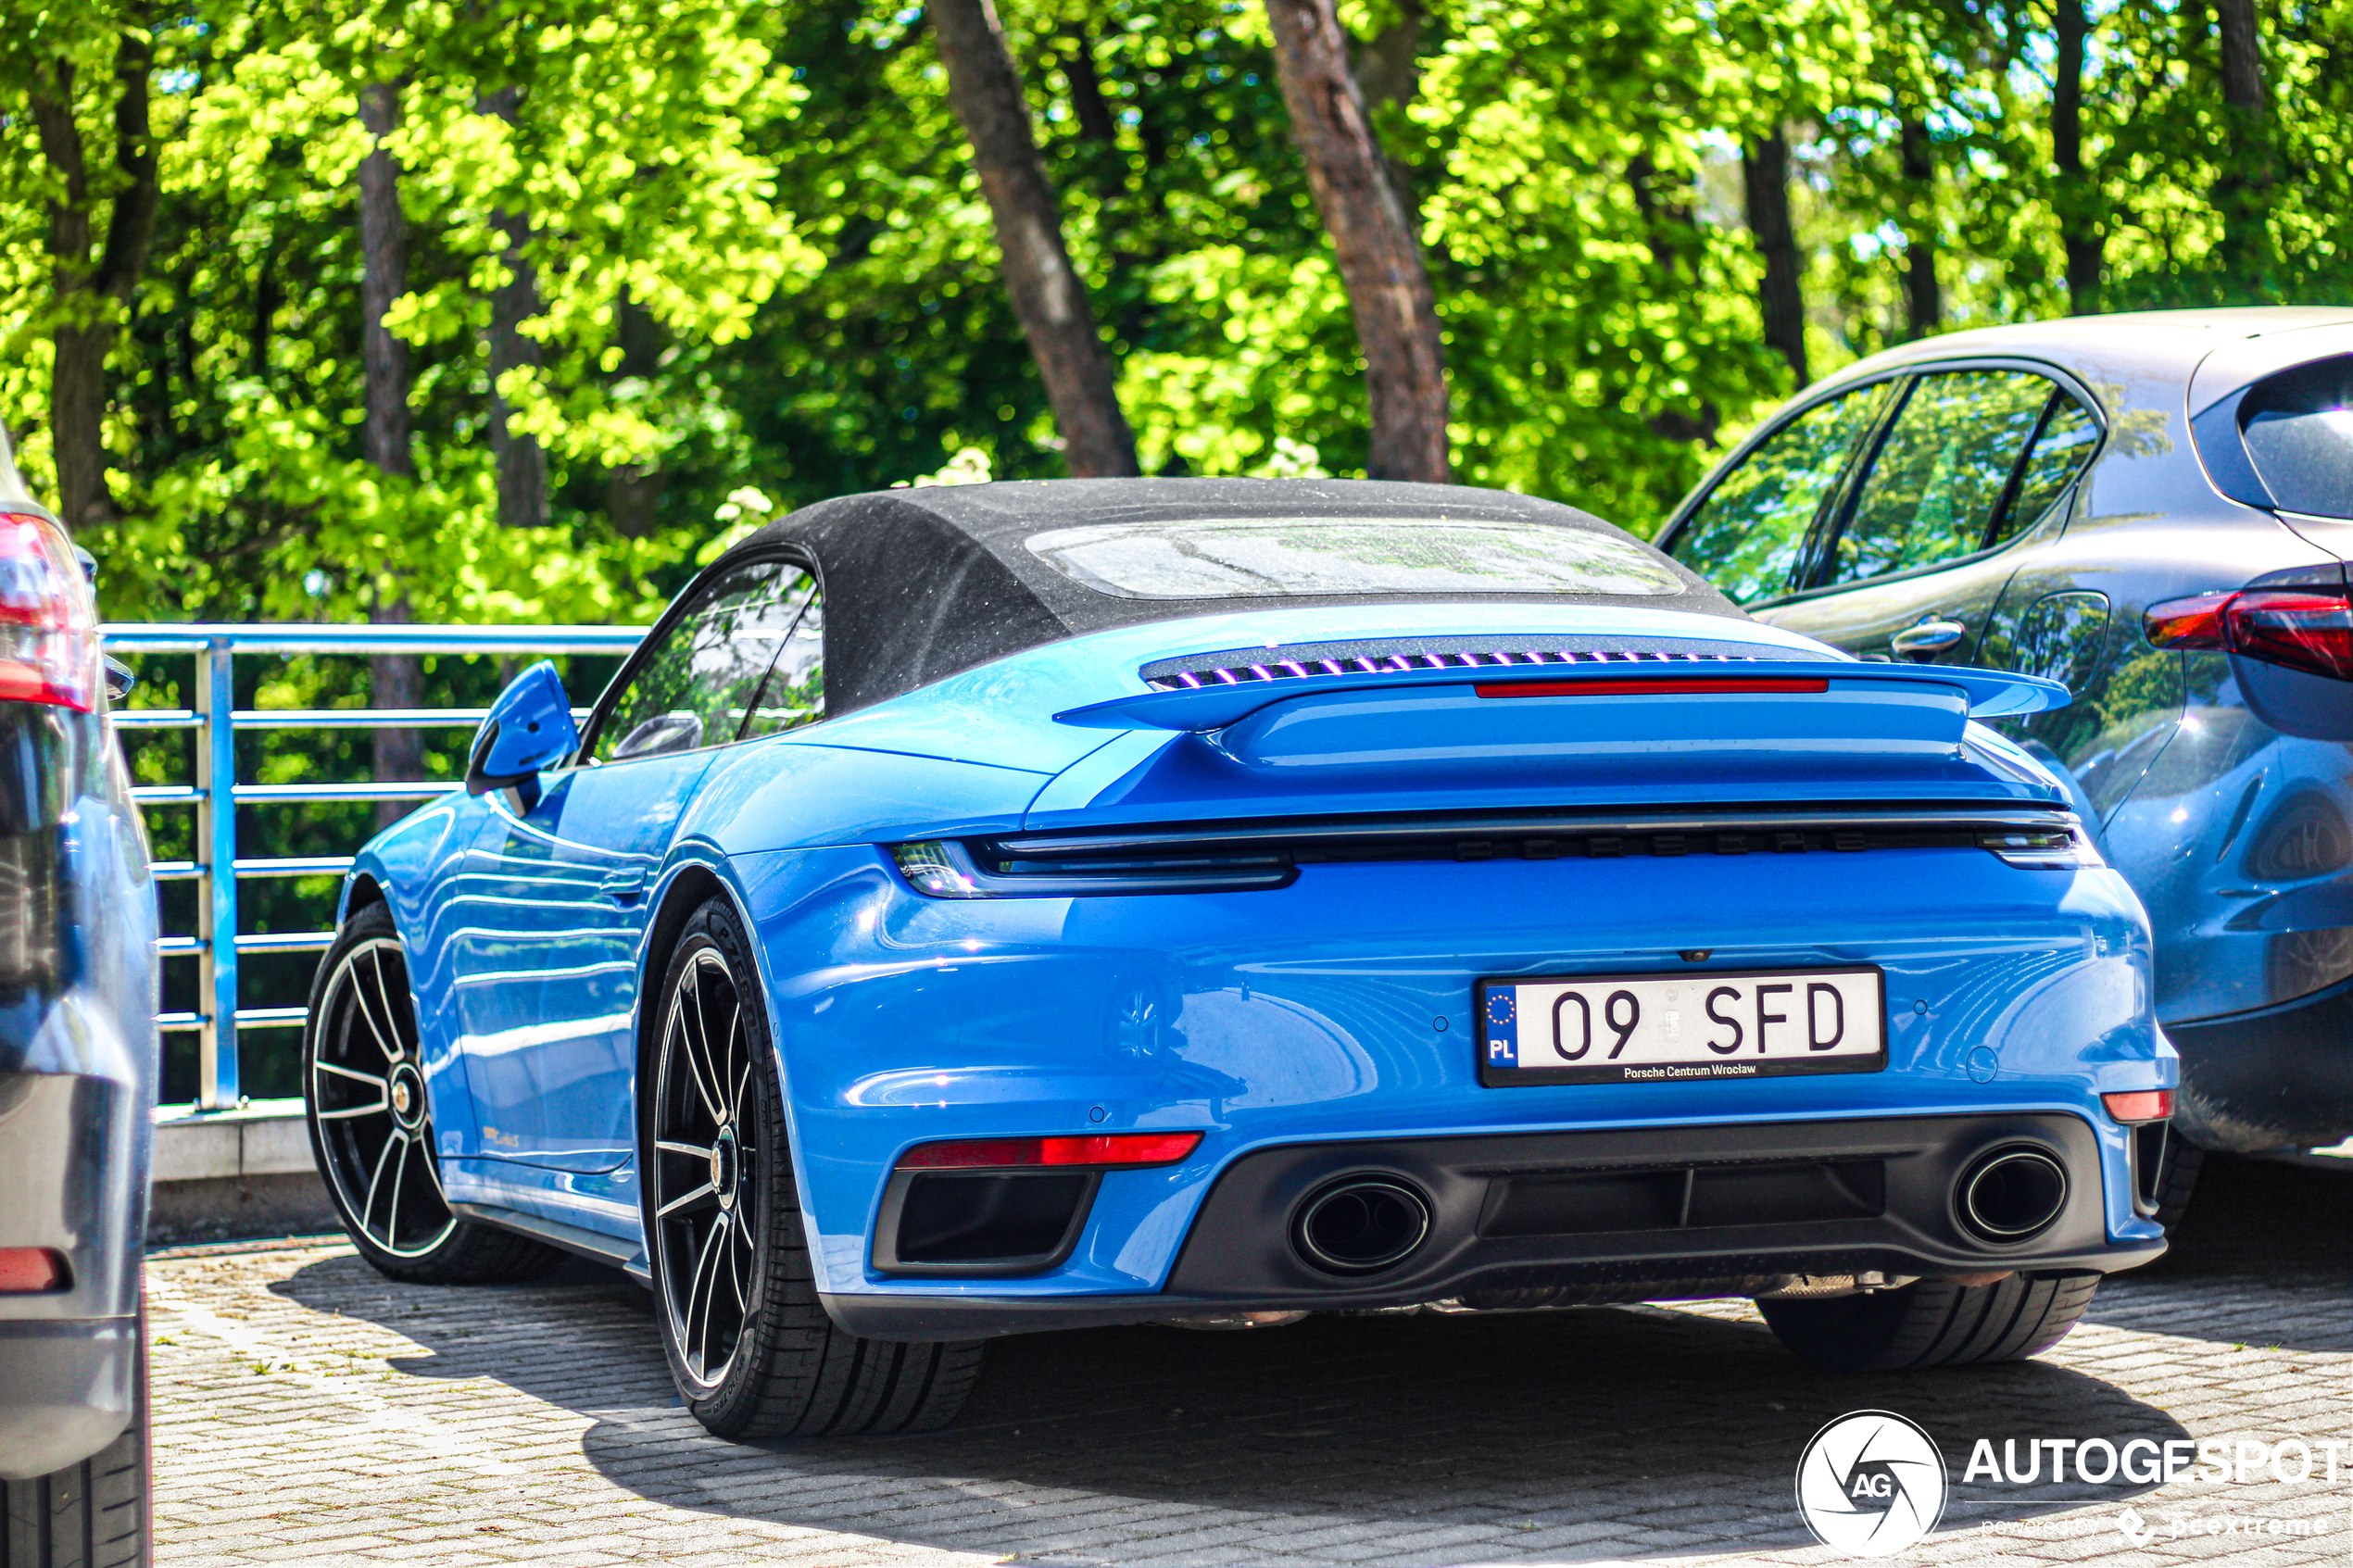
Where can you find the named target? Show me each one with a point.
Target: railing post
(216, 850)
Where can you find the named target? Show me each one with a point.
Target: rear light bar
(2136, 1105)
(1089, 1151)
(33, 1271)
(1670, 686)
(48, 627)
(2298, 628)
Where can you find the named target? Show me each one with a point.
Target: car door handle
(625, 886)
(1932, 636)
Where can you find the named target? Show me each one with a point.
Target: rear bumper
(1546, 1217)
(2279, 1077)
(66, 1387)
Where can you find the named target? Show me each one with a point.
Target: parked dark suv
(2157, 510)
(77, 1069)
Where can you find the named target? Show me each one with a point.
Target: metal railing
(214, 793)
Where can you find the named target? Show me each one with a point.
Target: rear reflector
(1092, 1150)
(29, 1271)
(2140, 1105)
(1667, 685)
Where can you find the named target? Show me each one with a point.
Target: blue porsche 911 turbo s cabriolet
(984, 909)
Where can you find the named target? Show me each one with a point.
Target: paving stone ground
(308, 1410)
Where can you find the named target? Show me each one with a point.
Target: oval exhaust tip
(2011, 1194)
(1361, 1225)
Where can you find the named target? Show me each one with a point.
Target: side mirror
(529, 728)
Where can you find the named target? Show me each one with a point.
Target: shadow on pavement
(2263, 1258)
(1588, 1433)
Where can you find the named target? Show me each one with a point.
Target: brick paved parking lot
(307, 1409)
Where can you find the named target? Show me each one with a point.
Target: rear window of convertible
(1267, 557)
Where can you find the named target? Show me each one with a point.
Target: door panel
(550, 987)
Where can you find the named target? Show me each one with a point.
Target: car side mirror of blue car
(527, 729)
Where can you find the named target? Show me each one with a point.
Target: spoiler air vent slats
(1200, 673)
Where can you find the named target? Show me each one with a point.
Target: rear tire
(1935, 1323)
(2176, 1179)
(364, 1095)
(93, 1514)
(750, 1347)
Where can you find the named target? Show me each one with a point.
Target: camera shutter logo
(1871, 1483)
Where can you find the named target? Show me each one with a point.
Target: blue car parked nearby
(2156, 508)
(993, 909)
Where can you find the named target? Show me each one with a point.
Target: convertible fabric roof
(920, 583)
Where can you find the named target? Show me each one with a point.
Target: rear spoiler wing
(1990, 693)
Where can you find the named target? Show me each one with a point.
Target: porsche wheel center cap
(722, 1168)
(407, 1094)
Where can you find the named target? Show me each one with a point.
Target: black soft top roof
(920, 583)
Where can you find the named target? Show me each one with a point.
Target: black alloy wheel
(704, 1193)
(371, 1115)
(749, 1343)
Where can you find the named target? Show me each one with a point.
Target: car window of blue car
(1941, 471)
(1745, 536)
(2299, 433)
(707, 681)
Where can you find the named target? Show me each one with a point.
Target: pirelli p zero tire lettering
(1933, 1323)
(753, 1353)
(365, 1095)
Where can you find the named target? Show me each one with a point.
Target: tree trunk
(96, 299)
(2243, 194)
(1780, 303)
(633, 492)
(383, 249)
(984, 87)
(395, 680)
(1923, 300)
(2080, 233)
(520, 461)
(1374, 241)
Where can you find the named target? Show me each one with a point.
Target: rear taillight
(1672, 685)
(1095, 1152)
(2298, 628)
(48, 631)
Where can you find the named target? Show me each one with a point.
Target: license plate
(1668, 1028)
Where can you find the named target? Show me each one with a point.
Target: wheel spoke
(686, 1049)
(432, 1165)
(360, 1005)
(380, 1106)
(698, 1296)
(392, 1209)
(735, 1074)
(384, 995)
(694, 1151)
(368, 1207)
(739, 1266)
(369, 1078)
(684, 1199)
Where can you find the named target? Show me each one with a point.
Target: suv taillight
(48, 627)
(2300, 628)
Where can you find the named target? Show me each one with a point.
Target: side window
(1941, 472)
(2061, 448)
(794, 693)
(706, 678)
(1745, 536)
